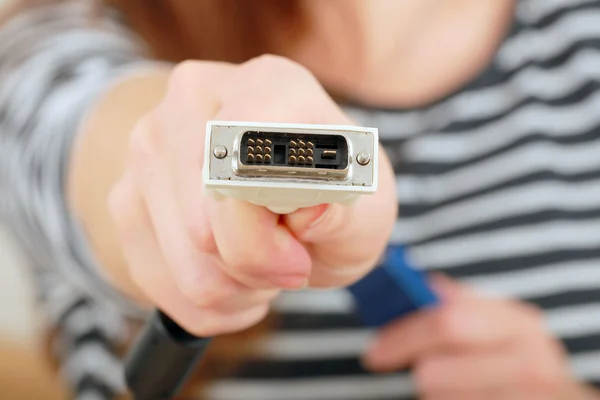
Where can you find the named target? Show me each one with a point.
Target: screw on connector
(220, 152)
(363, 158)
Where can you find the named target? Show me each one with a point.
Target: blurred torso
(497, 186)
(397, 53)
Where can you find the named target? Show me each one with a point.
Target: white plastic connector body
(285, 188)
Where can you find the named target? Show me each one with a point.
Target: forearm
(97, 161)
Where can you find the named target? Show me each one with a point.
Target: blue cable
(392, 290)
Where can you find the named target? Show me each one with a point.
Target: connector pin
(329, 154)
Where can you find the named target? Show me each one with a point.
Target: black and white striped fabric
(499, 186)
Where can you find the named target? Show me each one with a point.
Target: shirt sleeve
(55, 61)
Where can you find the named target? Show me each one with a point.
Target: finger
(255, 248)
(471, 324)
(149, 271)
(448, 289)
(280, 91)
(467, 396)
(192, 98)
(348, 240)
(193, 87)
(510, 373)
(303, 219)
(473, 396)
(478, 373)
(198, 275)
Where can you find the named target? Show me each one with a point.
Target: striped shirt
(499, 185)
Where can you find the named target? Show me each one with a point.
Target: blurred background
(16, 319)
(23, 375)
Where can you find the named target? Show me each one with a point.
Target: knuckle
(184, 73)
(254, 266)
(533, 318)
(121, 209)
(201, 234)
(117, 202)
(541, 378)
(270, 295)
(206, 326)
(534, 312)
(212, 324)
(143, 140)
(247, 262)
(274, 62)
(202, 292)
(446, 324)
(186, 84)
(425, 378)
(267, 66)
(257, 314)
(262, 297)
(247, 318)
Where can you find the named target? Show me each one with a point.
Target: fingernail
(304, 219)
(290, 282)
(320, 215)
(303, 286)
(373, 355)
(374, 348)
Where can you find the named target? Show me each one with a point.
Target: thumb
(344, 242)
(312, 223)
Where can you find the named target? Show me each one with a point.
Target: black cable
(165, 355)
(162, 359)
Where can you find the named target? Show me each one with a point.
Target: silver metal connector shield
(288, 166)
(293, 153)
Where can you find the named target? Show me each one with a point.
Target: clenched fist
(214, 266)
